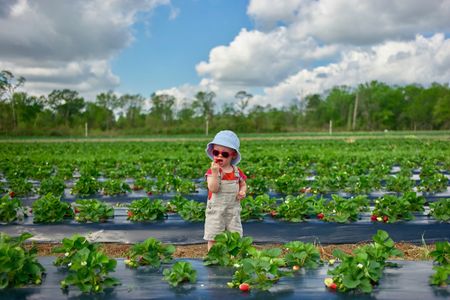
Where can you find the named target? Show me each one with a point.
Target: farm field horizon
(432, 134)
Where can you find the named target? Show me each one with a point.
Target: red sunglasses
(225, 154)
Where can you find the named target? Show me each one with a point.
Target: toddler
(226, 186)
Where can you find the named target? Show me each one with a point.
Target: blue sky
(166, 50)
(278, 51)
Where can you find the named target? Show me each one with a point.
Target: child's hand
(215, 168)
(241, 195)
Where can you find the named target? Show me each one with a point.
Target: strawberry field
(301, 193)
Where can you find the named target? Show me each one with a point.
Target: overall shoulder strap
(236, 173)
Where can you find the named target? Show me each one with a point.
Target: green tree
(8, 86)
(109, 102)
(203, 104)
(27, 109)
(338, 107)
(441, 112)
(98, 117)
(67, 105)
(243, 100)
(132, 105)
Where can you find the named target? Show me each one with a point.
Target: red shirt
(227, 176)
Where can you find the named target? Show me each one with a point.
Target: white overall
(223, 210)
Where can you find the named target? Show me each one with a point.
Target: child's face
(223, 155)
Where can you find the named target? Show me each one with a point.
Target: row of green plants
(89, 185)
(387, 209)
(85, 265)
(88, 268)
(50, 209)
(283, 166)
(361, 270)
(287, 184)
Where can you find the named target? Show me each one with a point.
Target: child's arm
(213, 179)
(242, 190)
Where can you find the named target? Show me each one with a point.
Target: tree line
(370, 106)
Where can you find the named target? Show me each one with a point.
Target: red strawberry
(320, 216)
(333, 286)
(373, 218)
(273, 213)
(77, 210)
(385, 219)
(305, 190)
(12, 194)
(130, 214)
(149, 193)
(245, 287)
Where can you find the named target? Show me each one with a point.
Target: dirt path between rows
(411, 251)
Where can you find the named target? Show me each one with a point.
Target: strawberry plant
(92, 210)
(364, 268)
(257, 185)
(88, 270)
(85, 186)
(147, 210)
(20, 186)
(182, 186)
(302, 255)
(70, 246)
(228, 248)
(143, 183)
(399, 184)
(10, 209)
(288, 184)
(50, 209)
(342, 210)
(256, 207)
(416, 203)
(260, 270)
(150, 252)
(2, 188)
(89, 170)
(361, 184)
(296, 208)
(390, 209)
(19, 266)
(251, 209)
(355, 272)
(162, 185)
(381, 248)
(193, 211)
(54, 185)
(440, 210)
(115, 187)
(431, 180)
(139, 184)
(176, 203)
(441, 257)
(180, 272)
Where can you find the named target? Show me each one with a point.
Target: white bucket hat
(226, 138)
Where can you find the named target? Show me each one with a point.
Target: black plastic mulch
(410, 281)
(177, 231)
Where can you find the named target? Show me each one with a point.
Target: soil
(411, 251)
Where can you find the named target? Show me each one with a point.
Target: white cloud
(257, 58)
(423, 60)
(309, 46)
(67, 44)
(354, 21)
